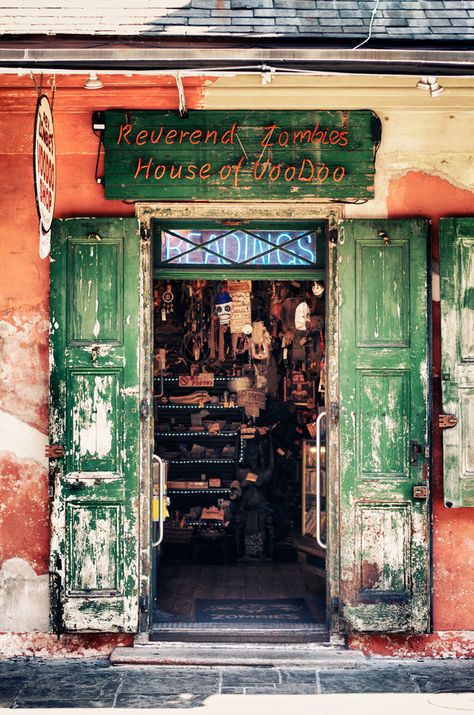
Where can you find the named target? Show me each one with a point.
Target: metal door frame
(248, 211)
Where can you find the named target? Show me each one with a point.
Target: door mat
(253, 611)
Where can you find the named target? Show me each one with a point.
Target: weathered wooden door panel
(95, 417)
(383, 374)
(457, 340)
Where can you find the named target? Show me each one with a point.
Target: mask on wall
(301, 316)
(223, 305)
(318, 288)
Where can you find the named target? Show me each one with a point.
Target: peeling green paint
(383, 407)
(95, 416)
(457, 355)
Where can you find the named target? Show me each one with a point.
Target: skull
(223, 307)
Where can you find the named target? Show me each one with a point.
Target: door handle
(415, 450)
(320, 542)
(161, 498)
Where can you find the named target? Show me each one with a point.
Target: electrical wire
(372, 18)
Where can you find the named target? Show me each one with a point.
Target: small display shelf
(212, 450)
(209, 490)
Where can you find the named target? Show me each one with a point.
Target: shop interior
(239, 380)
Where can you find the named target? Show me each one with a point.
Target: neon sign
(238, 248)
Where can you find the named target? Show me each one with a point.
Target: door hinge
(144, 409)
(447, 421)
(334, 411)
(420, 491)
(333, 236)
(143, 603)
(335, 604)
(54, 451)
(145, 233)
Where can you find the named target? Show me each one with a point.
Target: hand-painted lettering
(124, 131)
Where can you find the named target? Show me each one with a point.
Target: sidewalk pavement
(91, 683)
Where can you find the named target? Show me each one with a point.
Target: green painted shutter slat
(456, 245)
(94, 415)
(383, 359)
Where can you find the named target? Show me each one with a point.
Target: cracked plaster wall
(424, 168)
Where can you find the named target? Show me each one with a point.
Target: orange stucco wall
(24, 295)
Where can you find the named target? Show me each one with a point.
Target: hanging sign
(252, 401)
(241, 309)
(240, 155)
(44, 162)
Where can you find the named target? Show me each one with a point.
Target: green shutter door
(383, 377)
(94, 415)
(456, 245)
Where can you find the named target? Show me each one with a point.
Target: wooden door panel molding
(457, 358)
(383, 376)
(95, 271)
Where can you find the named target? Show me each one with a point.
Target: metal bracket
(420, 491)
(145, 233)
(447, 421)
(333, 236)
(54, 451)
(334, 411)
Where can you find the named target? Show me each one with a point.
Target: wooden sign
(240, 154)
(252, 401)
(204, 379)
(239, 287)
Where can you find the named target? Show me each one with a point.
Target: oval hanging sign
(44, 158)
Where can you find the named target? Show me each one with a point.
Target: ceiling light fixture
(93, 82)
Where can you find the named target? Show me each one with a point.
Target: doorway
(239, 375)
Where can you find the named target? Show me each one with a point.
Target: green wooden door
(383, 373)
(456, 245)
(94, 416)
